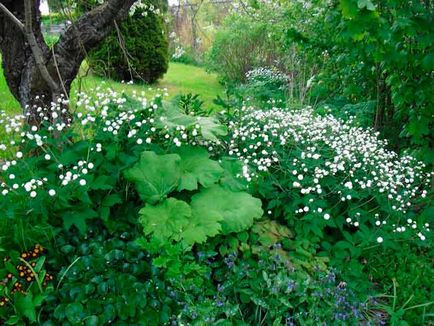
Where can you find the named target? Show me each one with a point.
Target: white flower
(379, 239)
(82, 182)
(326, 216)
(52, 192)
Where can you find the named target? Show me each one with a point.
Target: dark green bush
(137, 51)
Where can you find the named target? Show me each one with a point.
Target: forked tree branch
(36, 50)
(30, 67)
(27, 29)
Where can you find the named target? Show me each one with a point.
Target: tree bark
(21, 65)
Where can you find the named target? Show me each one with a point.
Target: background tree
(37, 74)
(129, 54)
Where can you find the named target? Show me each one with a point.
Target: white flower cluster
(107, 112)
(179, 52)
(11, 123)
(144, 8)
(143, 124)
(316, 149)
(266, 74)
(76, 173)
(34, 185)
(30, 186)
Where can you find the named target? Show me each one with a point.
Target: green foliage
(237, 209)
(213, 210)
(209, 126)
(51, 40)
(137, 51)
(190, 104)
(253, 281)
(378, 52)
(165, 220)
(174, 220)
(406, 276)
(103, 281)
(25, 286)
(351, 52)
(264, 87)
(287, 156)
(197, 168)
(155, 175)
(152, 213)
(185, 57)
(240, 46)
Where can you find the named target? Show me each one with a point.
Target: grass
(180, 79)
(8, 103)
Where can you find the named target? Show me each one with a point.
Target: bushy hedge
(137, 51)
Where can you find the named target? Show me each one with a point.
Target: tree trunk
(24, 76)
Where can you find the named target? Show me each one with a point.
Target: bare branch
(12, 17)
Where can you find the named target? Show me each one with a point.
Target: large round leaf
(237, 209)
(167, 220)
(196, 167)
(201, 227)
(155, 175)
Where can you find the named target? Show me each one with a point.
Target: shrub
(265, 85)
(332, 183)
(137, 51)
(240, 46)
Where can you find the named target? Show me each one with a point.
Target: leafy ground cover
(147, 211)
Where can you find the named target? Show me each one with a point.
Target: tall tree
(36, 74)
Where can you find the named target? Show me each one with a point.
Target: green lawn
(7, 101)
(180, 78)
